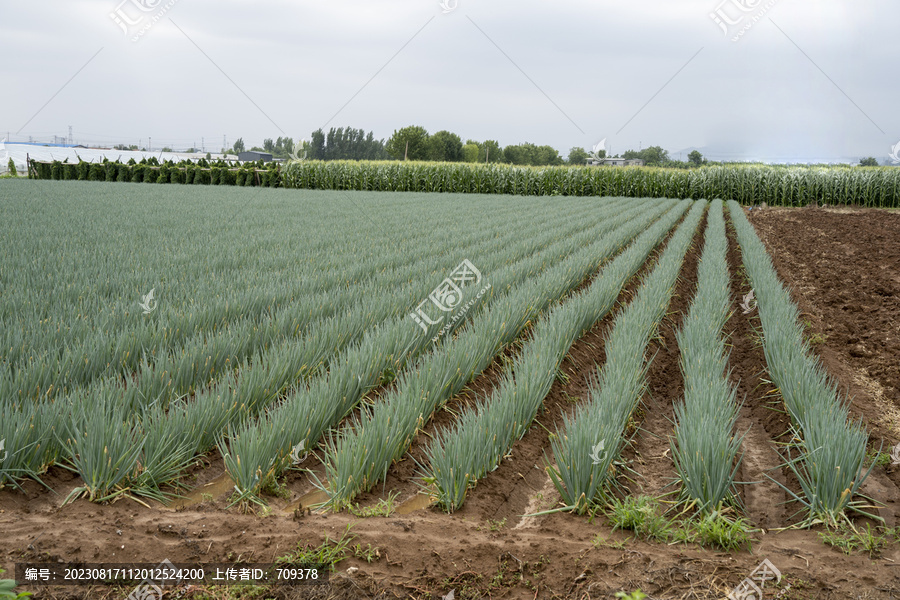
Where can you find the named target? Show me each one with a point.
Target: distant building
(253, 155)
(615, 162)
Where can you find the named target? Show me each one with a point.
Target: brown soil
(844, 270)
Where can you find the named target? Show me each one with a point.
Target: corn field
(747, 184)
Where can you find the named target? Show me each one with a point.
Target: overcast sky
(804, 81)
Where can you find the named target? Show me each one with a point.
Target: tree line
(409, 143)
(416, 143)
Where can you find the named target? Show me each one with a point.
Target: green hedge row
(247, 175)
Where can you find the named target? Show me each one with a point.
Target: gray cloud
(598, 62)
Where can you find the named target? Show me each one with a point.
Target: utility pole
(224, 143)
(71, 139)
(202, 145)
(487, 155)
(149, 144)
(405, 152)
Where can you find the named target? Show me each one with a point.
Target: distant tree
(414, 137)
(529, 154)
(578, 156)
(547, 155)
(269, 146)
(11, 167)
(208, 156)
(868, 162)
(516, 154)
(695, 158)
(343, 144)
(470, 152)
(332, 143)
(654, 155)
(317, 146)
(445, 146)
(374, 149)
(239, 146)
(166, 149)
(490, 151)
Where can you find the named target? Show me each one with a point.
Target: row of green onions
(482, 436)
(704, 447)
(259, 450)
(172, 436)
(358, 457)
(590, 440)
(830, 448)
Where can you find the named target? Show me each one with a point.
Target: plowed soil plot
(843, 267)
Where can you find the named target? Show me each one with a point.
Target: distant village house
(253, 155)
